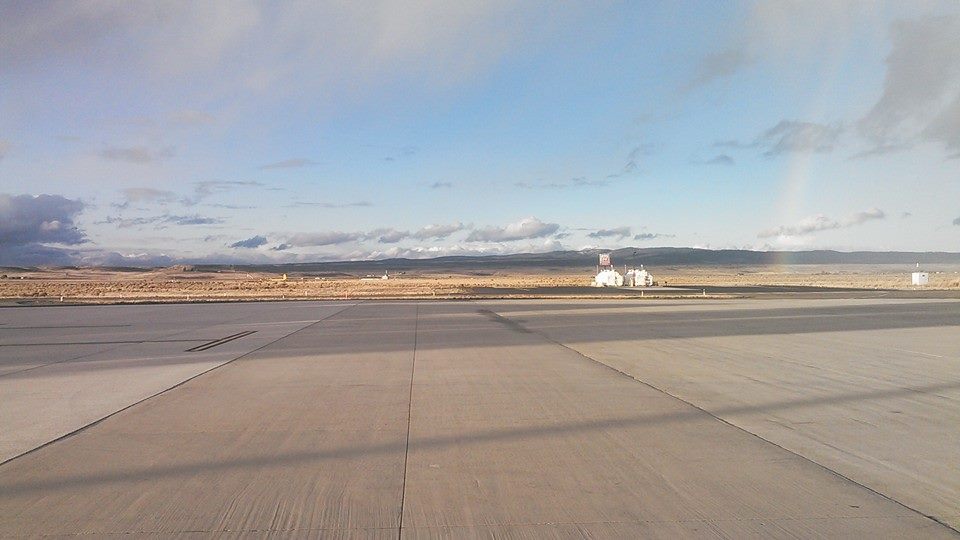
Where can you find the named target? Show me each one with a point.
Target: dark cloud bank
(28, 222)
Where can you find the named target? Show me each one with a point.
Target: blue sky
(247, 131)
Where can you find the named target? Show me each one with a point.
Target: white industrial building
(607, 275)
(639, 278)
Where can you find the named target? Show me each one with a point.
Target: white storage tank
(921, 278)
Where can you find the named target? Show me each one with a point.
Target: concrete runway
(740, 418)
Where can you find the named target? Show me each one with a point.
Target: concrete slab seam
(406, 453)
(217, 342)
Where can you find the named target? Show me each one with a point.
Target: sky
(237, 131)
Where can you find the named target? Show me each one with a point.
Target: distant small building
(638, 277)
(919, 277)
(607, 275)
(608, 278)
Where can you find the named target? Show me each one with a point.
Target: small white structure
(608, 278)
(607, 275)
(639, 277)
(919, 278)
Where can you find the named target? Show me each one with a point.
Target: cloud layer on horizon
(821, 222)
(524, 229)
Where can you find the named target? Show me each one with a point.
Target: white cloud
(526, 228)
(862, 217)
(720, 159)
(250, 243)
(920, 99)
(329, 45)
(208, 188)
(356, 204)
(328, 238)
(425, 252)
(142, 194)
(785, 31)
(821, 222)
(652, 236)
(388, 236)
(619, 232)
(785, 137)
(136, 154)
(577, 182)
(794, 136)
(921, 93)
(438, 231)
(945, 128)
(160, 221)
(718, 65)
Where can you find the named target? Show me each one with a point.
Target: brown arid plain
(185, 283)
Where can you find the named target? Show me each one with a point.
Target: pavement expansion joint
(406, 453)
(55, 327)
(217, 531)
(113, 342)
(780, 519)
(221, 341)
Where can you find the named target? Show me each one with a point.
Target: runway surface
(740, 418)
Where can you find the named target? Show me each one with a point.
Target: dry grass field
(184, 283)
(895, 277)
(175, 284)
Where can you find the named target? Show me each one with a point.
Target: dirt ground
(184, 283)
(894, 277)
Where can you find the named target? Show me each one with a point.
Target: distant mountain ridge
(662, 256)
